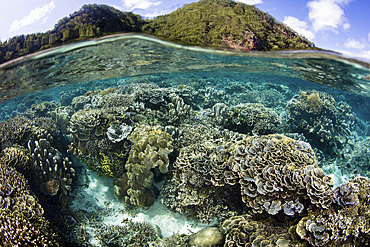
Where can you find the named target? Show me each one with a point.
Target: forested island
(219, 23)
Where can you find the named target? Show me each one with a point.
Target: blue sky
(339, 25)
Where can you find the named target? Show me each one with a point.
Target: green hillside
(222, 23)
(90, 21)
(226, 23)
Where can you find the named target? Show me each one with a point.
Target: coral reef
(197, 187)
(100, 141)
(53, 172)
(248, 118)
(355, 159)
(21, 217)
(141, 133)
(345, 222)
(14, 131)
(130, 234)
(276, 172)
(150, 149)
(244, 231)
(328, 125)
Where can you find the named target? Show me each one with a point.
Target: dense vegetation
(207, 22)
(226, 23)
(89, 22)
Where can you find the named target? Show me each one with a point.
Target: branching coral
(17, 157)
(177, 109)
(15, 131)
(19, 231)
(130, 234)
(54, 171)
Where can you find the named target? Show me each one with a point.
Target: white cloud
(346, 26)
(368, 36)
(300, 27)
(129, 5)
(156, 13)
(33, 16)
(352, 43)
(327, 14)
(251, 2)
(363, 55)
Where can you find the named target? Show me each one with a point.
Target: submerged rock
(207, 237)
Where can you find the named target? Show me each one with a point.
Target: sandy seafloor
(95, 195)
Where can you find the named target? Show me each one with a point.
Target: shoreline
(323, 54)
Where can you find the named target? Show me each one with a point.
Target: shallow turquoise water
(318, 98)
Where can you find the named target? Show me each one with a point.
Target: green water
(188, 113)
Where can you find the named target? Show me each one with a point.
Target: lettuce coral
(345, 223)
(150, 149)
(21, 217)
(274, 170)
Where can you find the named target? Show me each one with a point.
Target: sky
(338, 25)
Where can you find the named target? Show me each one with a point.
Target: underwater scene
(133, 141)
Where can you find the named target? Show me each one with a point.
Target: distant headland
(215, 23)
